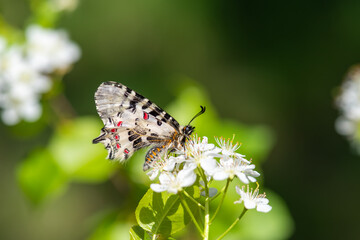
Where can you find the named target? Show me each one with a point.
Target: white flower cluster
(64, 5)
(348, 103)
(217, 162)
(25, 69)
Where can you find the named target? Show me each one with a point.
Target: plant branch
(217, 194)
(221, 201)
(232, 225)
(194, 200)
(207, 206)
(183, 202)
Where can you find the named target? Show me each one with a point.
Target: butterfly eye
(188, 129)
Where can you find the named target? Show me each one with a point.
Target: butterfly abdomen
(154, 153)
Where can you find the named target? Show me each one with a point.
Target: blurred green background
(270, 64)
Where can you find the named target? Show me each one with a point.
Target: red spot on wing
(117, 137)
(126, 151)
(113, 130)
(119, 123)
(118, 146)
(146, 116)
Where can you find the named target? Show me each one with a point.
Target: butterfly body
(132, 122)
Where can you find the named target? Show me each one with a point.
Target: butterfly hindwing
(131, 121)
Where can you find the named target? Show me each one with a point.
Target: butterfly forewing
(131, 121)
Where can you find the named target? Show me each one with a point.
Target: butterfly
(132, 122)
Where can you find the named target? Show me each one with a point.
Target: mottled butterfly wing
(131, 121)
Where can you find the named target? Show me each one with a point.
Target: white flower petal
(263, 208)
(220, 175)
(238, 201)
(209, 165)
(263, 201)
(238, 190)
(152, 174)
(242, 177)
(166, 178)
(158, 188)
(173, 190)
(186, 178)
(249, 204)
(252, 179)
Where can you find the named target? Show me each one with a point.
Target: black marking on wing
(128, 90)
(137, 143)
(146, 104)
(111, 156)
(132, 106)
(167, 116)
(154, 139)
(140, 96)
(174, 123)
(99, 139)
(133, 137)
(154, 113)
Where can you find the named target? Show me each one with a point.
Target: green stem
(207, 216)
(232, 225)
(221, 201)
(183, 202)
(217, 194)
(207, 206)
(194, 200)
(154, 237)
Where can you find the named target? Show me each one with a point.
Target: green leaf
(40, 177)
(137, 233)
(162, 213)
(74, 152)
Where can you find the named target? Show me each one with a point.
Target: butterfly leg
(153, 154)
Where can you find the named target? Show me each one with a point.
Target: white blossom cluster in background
(64, 5)
(25, 71)
(348, 102)
(217, 162)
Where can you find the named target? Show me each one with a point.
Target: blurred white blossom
(348, 103)
(25, 69)
(252, 199)
(49, 50)
(64, 5)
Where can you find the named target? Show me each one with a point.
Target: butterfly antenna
(198, 114)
